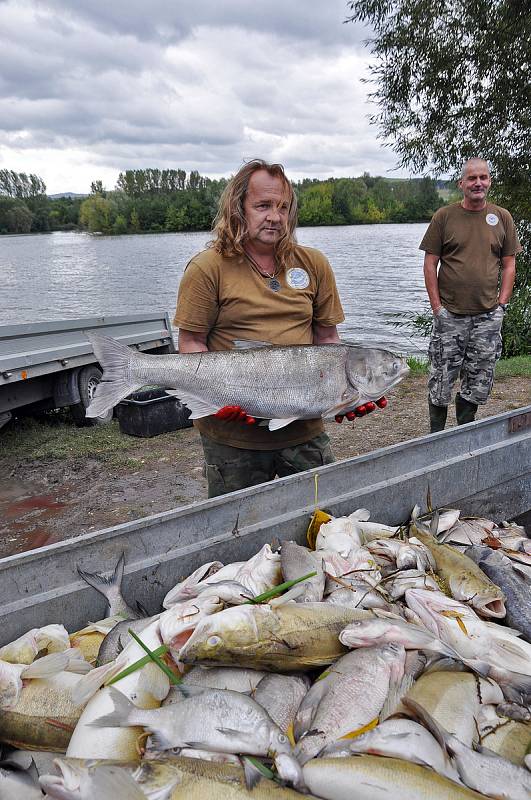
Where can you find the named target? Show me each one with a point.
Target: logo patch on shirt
(297, 278)
(492, 219)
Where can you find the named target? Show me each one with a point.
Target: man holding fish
(254, 283)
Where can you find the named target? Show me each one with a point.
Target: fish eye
(282, 739)
(212, 641)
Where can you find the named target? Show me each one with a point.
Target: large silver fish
(280, 384)
(506, 574)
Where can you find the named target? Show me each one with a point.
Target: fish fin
(189, 689)
(276, 424)
(142, 609)
(420, 714)
(495, 627)
(199, 408)
(76, 662)
(249, 344)
(120, 715)
(230, 732)
(89, 684)
(505, 647)
(251, 773)
(46, 666)
(161, 742)
(394, 696)
(103, 583)
(114, 783)
(115, 359)
(521, 569)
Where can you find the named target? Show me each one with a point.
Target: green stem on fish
(282, 587)
(160, 651)
(171, 675)
(265, 771)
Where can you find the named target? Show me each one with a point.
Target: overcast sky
(92, 87)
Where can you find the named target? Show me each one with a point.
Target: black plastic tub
(152, 412)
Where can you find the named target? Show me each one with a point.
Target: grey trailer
(46, 365)
(481, 468)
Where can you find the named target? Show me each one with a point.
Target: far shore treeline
(170, 200)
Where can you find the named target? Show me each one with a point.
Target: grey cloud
(169, 22)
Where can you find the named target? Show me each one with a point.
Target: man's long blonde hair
(230, 226)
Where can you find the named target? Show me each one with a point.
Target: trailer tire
(87, 381)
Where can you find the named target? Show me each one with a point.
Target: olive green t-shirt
(470, 245)
(229, 300)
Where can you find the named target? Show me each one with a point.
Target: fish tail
(109, 587)
(115, 359)
(46, 666)
(124, 712)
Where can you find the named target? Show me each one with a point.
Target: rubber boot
(465, 411)
(437, 417)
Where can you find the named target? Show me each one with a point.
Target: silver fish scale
(271, 382)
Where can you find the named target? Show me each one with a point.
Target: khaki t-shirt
(470, 245)
(229, 300)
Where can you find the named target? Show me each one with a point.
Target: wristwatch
(504, 306)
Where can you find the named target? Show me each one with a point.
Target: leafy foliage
(453, 80)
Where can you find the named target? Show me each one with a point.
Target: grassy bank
(515, 367)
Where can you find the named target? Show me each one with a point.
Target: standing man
(471, 240)
(254, 282)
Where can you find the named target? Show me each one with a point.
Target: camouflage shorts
(465, 346)
(228, 469)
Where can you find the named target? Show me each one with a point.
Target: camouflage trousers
(228, 469)
(465, 346)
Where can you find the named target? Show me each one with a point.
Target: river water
(56, 276)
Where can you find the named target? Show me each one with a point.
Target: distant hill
(71, 195)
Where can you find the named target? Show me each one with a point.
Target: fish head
(484, 596)
(365, 632)
(373, 371)
(223, 638)
(67, 785)
(290, 771)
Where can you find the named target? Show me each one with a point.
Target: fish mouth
(493, 608)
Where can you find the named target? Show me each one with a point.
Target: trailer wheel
(87, 381)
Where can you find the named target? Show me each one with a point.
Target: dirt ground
(45, 500)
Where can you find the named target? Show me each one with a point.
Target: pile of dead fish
(400, 668)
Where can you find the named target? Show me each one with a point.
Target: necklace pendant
(274, 285)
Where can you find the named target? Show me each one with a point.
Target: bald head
(475, 163)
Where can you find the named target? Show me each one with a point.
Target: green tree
(95, 214)
(134, 221)
(15, 216)
(119, 224)
(453, 80)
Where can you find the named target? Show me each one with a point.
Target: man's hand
(234, 414)
(361, 411)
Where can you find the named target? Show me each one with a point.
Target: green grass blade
(171, 675)
(282, 587)
(160, 651)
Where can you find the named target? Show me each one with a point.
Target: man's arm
(325, 334)
(191, 342)
(508, 265)
(430, 279)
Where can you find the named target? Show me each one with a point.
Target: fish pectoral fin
(199, 408)
(249, 344)
(111, 781)
(160, 742)
(276, 424)
(230, 733)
